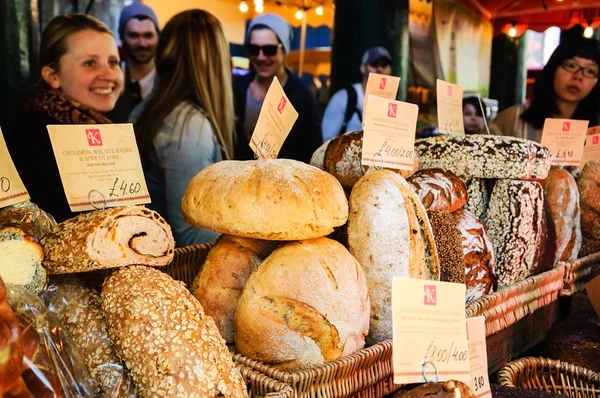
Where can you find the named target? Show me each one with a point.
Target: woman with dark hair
(567, 88)
(472, 115)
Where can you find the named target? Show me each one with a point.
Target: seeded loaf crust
(517, 226)
(109, 238)
(439, 189)
(228, 266)
(448, 242)
(562, 195)
(305, 305)
(390, 235)
(485, 156)
(478, 196)
(171, 347)
(79, 309)
(21, 259)
(478, 252)
(274, 199)
(589, 191)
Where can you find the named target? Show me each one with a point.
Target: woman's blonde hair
(192, 64)
(53, 44)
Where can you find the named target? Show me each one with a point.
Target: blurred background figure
(472, 115)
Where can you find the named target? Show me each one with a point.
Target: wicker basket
(366, 373)
(578, 273)
(260, 385)
(550, 375)
(187, 262)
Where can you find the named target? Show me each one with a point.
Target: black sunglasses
(269, 50)
(381, 63)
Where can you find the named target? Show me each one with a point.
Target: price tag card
(449, 108)
(389, 134)
(12, 189)
(480, 381)
(276, 119)
(593, 130)
(99, 165)
(430, 331)
(565, 139)
(591, 150)
(382, 86)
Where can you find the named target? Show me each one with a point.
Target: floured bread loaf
(439, 189)
(589, 191)
(21, 259)
(228, 266)
(390, 235)
(306, 304)
(563, 198)
(485, 156)
(517, 226)
(170, 346)
(448, 242)
(341, 156)
(109, 238)
(275, 199)
(478, 196)
(478, 253)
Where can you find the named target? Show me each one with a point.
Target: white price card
(12, 189)
(480, 381)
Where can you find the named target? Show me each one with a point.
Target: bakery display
(275, 199)
(280, 321)
(485, 156)
(589, 196)
(439, 189)
(448, 241)
(562, 195)
(170, 346)
(21, 258)
(228, 266)
(390, 235)
(478, 252)
(109, 238)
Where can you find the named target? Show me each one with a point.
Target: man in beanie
(267, 43)
(138, 30)
(344, 111)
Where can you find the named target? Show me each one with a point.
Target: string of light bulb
(259, 8)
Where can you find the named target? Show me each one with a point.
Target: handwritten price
(4, 184)
(399, 153)
(478, 383)
(125, 188)
(435, 354)
(563, 153)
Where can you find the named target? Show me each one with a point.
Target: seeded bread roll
(439, 189)
(109, 238)
(306, 304)
(478, 196)
(21, 259)
(448, 242)
(485, 156)
(228, 266)
(589, 191)
(274, 199)
(563, 198)
(167, 342)
(478, 251)
(390, 235)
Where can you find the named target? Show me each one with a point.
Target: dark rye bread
(485, 156)
(448, 241)
(439, 189)
(517, 224)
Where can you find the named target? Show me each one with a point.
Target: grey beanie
(277, 24)
(133, 10)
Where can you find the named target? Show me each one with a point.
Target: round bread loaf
(439, 189)
(478, 253)
(228, 266)
(305, 305)
(274, 199)
(448, 242)
(589, 202)
(171, 347)
(562, 195)
(390, 235)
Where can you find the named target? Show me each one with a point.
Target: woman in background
(472, 115)
(187, 123)
(567, 88)
(80, 80)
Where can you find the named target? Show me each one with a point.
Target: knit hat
(278, 25)
(375, 53)
(136, 9)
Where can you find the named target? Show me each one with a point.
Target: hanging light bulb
(243, 6)
(299, 14)
(259, 2)
(319, 10)
(588, 32)
(512, 32)
(259, 8)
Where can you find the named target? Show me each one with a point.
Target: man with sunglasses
(267, 43)
(344, 111)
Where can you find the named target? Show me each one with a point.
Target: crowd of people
(176, 87)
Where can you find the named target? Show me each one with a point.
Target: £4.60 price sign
(99, 165)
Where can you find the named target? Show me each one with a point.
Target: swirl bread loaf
(390, 235)
(228, 266)
(274, 199)
(439, 189)
(167, 342)
(589, 191)
(306, 304)
(563, 198)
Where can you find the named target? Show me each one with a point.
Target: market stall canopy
(317, 61)
(537, 15)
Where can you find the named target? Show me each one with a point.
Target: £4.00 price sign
(12, 189)
(99, 165)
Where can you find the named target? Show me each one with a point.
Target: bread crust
(589, 194)
(19, 250)
(439, 189)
